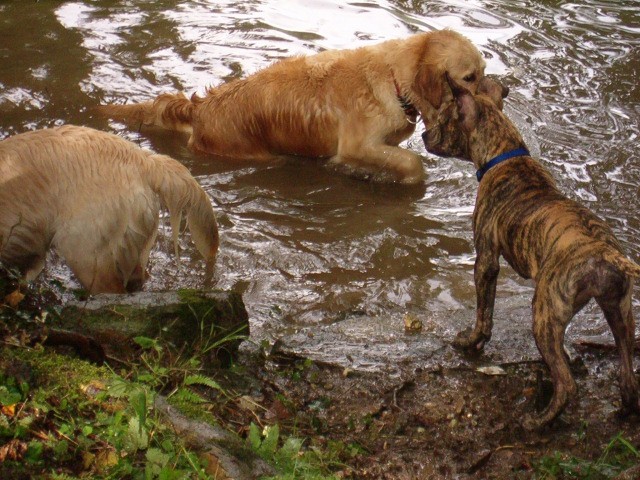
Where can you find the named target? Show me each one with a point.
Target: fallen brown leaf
(13, 450)
(14, 298)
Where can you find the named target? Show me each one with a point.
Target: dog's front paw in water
(471, 340)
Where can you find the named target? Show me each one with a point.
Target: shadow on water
(332, 261)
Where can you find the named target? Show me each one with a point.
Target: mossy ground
(63, 417)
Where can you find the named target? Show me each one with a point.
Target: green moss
(193, 411)
(191, 321)
(61, 424)
(54, 371)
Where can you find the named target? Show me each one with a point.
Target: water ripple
(319, 248)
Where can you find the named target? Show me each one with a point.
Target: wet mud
(444, 423)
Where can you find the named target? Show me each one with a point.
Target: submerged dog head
(466, 126)
(445, 51)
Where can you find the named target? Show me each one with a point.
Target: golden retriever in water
(95, 198)
(354, 106)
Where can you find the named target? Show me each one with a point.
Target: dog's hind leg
(617, 311)
(550, 319)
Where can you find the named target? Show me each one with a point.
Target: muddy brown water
(328, 263)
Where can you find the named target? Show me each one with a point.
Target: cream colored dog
(95, 198)
(354, 106)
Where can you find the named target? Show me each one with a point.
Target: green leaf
(148, 378)
(60, 448)
(202, 380)
(148, 343)
(138, 401)
(170, 473)
(254, 436)
(270, 442)
(9, 398)
(167, 446)
(137, 437)
(34, 451)
(155, 455)
(291, 447)
(119, 388)
(4, 425)
(187, 396)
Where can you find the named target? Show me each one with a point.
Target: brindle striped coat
(570, 253)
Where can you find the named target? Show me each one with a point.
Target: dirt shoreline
(422, 420)
(449, 424)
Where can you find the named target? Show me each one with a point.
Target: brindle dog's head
(455, 132)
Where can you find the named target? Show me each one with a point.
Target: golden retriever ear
(467, 107)
(430, 84)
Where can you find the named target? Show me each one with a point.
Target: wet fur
(570, 253)
(338, 104)
(96, 199)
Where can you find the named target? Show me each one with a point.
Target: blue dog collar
(518, 152)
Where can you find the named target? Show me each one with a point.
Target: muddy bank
(421, 409)
(374, 400)
(446, 423)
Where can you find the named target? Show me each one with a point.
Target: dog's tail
(623, 263)
(173, 111)
(180, 192)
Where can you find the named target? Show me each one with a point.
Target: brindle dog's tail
(623, 263)
(173, 111)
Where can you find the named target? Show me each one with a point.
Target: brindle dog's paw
(470, 340)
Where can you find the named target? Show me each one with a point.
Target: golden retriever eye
(470, 78)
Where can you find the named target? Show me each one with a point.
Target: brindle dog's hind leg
(550, 320)
(617, 311)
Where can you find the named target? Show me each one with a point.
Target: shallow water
(326, 248)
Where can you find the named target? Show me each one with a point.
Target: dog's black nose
(425, 137)
(505, 91)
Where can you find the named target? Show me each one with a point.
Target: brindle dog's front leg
(486, 271)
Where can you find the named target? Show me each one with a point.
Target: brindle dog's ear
(467, 106)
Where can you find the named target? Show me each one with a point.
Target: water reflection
(324, 246)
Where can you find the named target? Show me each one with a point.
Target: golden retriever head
(445, 51)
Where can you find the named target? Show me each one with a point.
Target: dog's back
(539, 225)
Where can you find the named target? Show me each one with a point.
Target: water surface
(310, 249)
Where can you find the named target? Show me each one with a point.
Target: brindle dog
(571, 254)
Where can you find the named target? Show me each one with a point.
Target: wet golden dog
(354, 106)
(96, 199)
(569, 252)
